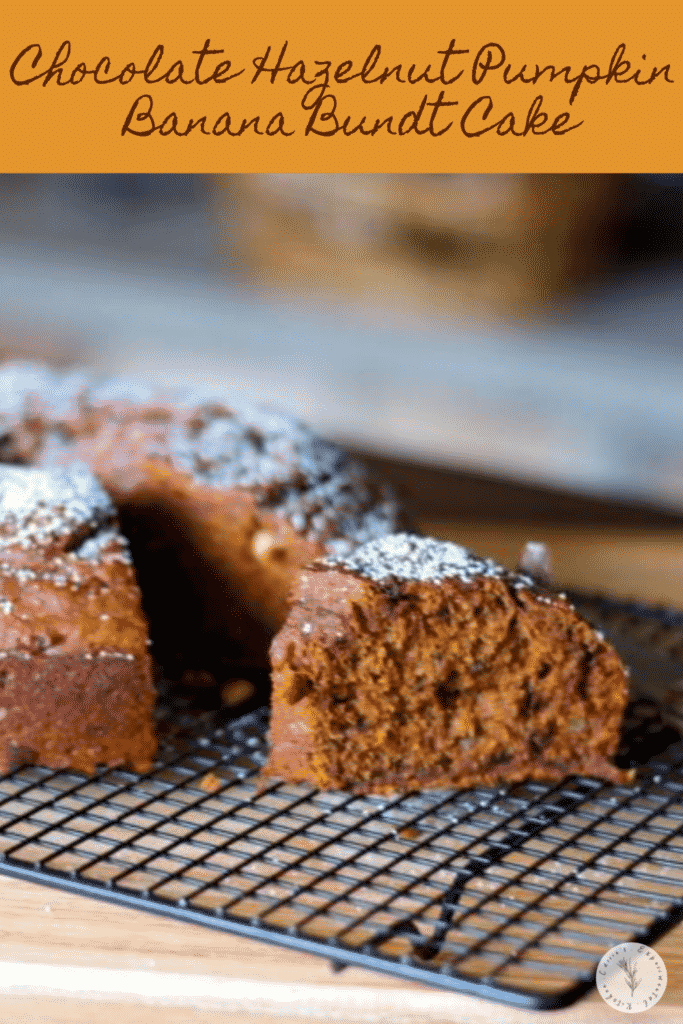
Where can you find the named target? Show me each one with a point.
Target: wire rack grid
(513, 894)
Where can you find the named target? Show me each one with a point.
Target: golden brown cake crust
(414, 665)
(76, 685)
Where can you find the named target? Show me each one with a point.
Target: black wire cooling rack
(513, 894)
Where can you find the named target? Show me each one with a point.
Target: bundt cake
(403, 662)
(76, 685)
(412, 663)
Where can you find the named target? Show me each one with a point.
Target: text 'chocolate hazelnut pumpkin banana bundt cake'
(412, 663)
(76, 685)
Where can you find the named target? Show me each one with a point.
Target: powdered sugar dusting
(122, 390)
(31, 389)
(220, 440)
(405, 556)
(38, 506)
(110, 541)
(244, 446)
(311, 482)
(24, 387)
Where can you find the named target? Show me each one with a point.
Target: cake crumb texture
(76, 686)
(413, 664)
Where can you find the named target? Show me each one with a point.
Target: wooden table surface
(71, 960)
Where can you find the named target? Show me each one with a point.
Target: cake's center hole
(202, 633)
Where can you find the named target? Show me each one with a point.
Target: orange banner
(343, 87)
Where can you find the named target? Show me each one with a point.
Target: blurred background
(507, 348)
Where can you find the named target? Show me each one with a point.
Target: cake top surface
(310, 481)
(125, 390)
(238, 444)
(405, 556)
(27, 388)
(39, 506)
(221, 441)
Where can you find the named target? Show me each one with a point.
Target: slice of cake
(413, 664)
(75, 673)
